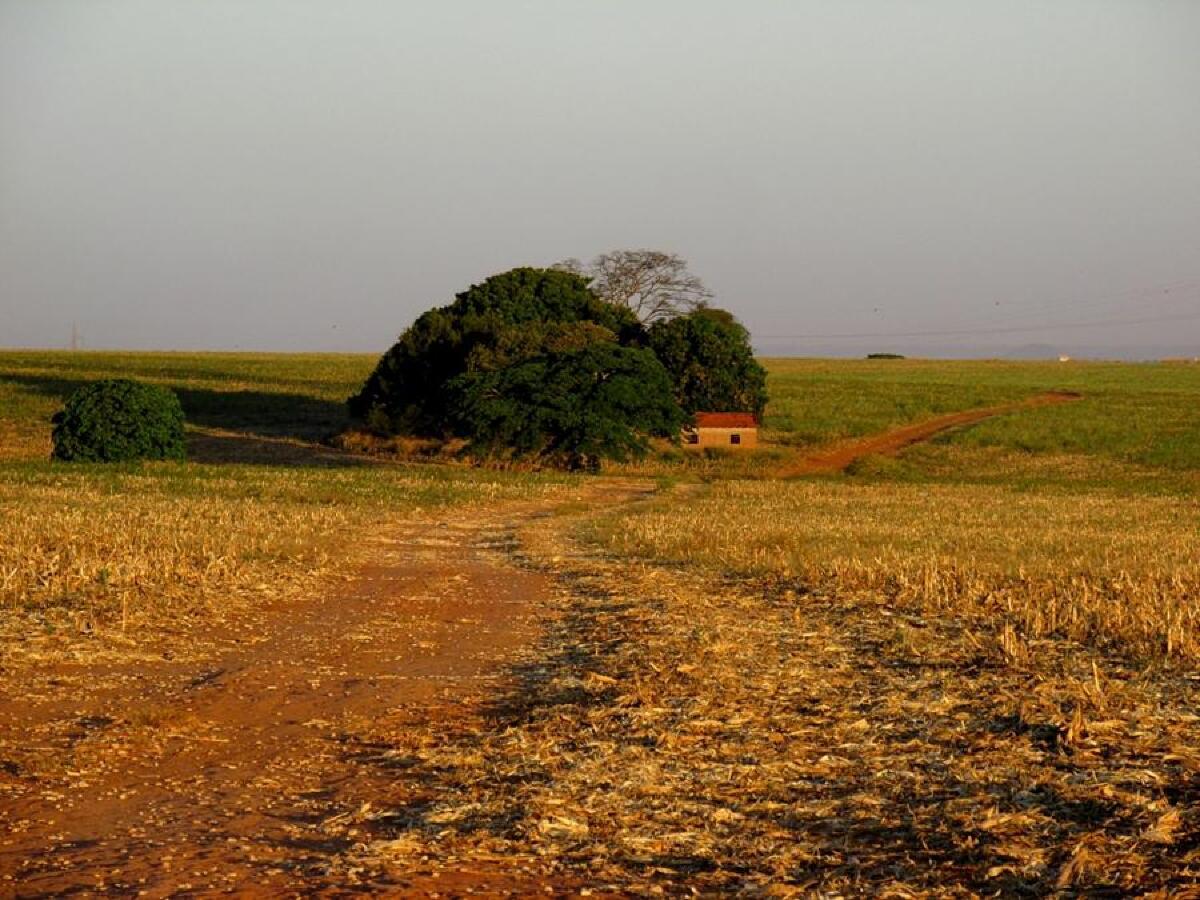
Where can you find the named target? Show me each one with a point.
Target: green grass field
(292, 395)
(1136, 427)
(1141, 414)
(1145, 414)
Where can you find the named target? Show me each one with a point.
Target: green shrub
(119, 419)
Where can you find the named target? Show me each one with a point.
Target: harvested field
(678, 731)
(242, 769)
(1050, 564)
(103, 560)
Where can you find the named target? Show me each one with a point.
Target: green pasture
(1134, 420)
(1136, 424)
(256, 419)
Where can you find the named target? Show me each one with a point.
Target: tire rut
(229, 780)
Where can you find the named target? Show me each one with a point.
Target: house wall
(719, 437)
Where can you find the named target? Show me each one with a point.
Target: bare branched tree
(655, 285)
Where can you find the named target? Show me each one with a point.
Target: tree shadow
(240, 426)
(239, 448)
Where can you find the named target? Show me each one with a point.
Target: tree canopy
(532, 362)
(572, 407)
(505, 319)
(117, 420)
(708, 355)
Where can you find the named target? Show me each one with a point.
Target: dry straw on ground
(681, 732)
(99, 561)
(1116, 571)
(76, 561)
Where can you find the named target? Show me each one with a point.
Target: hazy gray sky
(290, 174)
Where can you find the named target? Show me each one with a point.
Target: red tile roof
(726, 420)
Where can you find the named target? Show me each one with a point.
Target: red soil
(889, 443)
(154, 778)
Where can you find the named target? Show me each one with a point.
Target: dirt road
(889, 443)
(160, 779)
(261, 770)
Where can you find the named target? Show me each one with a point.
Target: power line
(1168, 291)
(1008, 315)
(1167, 307)
(1159, 301)
(970, 332)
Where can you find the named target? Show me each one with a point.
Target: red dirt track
(232, 775)
(889, 443)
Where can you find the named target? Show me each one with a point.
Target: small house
(732, 430)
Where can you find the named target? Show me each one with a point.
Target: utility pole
(74, 336)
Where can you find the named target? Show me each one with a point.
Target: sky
(945, 177)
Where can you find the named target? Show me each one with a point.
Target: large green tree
(571, 407)
(708, 355)
(533, 363)
(506, 319)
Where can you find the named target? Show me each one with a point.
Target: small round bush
(119, 419)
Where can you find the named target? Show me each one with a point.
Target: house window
(735, 439)
(692, 437)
